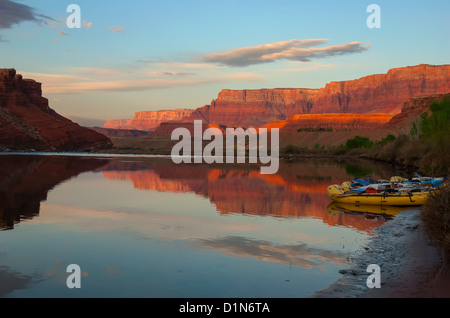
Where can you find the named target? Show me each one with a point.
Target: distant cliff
(148, 120)
(27, 122)
(380, 93)
(318, 122)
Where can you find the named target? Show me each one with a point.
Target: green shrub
(359, 142)
(290, 149)
(388, 138)
(436, 127)
(436, 217)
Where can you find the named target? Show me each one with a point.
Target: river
(142, 226)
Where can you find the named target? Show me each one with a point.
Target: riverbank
(410, 266)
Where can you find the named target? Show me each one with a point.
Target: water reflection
(238, 232)
(26, 180)
(297, 190)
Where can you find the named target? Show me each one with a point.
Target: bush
(436, 127)
(317, 129)
(290, 149)
(387, 139)
(436, 218)
(359, 142)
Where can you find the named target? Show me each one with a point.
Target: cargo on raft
(397, 191)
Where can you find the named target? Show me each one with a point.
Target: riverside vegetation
(425, 149)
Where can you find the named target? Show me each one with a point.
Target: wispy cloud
(295, 50)
(115, 29)
(92, 79)
(166, 73)
(307, 67)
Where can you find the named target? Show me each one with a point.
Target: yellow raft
(338, 194)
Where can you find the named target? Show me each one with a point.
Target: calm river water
(145, 227)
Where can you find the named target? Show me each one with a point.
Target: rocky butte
(27, 122)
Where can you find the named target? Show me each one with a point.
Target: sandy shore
(410, 266)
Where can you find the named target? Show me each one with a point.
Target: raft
(338, 194)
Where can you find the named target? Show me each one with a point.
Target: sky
(130, 56)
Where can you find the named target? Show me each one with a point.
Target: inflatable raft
(394, 198)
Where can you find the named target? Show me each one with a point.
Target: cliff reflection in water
(297, 190)
(26, 180)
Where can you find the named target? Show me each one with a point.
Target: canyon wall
(318, 122)
(148, 120)
(27, 122)
(379, 93)
(383, 93)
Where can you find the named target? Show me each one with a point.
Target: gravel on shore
(410, 266)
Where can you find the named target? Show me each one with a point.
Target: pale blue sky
(149, 55)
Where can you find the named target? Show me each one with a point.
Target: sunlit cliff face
(148, 120)
(380, 93)
(331, 121)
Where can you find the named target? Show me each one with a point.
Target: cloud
(308, 67)
(63, 33)
(294, 50)
(92, 79)
(166, 73)
(87, 25)
(115, 29)
(301, 255)
(14, 13)
(97, 72)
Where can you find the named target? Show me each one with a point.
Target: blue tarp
(359, 181)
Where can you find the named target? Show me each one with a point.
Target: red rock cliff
(27, 121)
(148, 120)
(335, 121)
(381, 93)
(412, 110)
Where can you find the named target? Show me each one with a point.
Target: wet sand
(410, 265)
